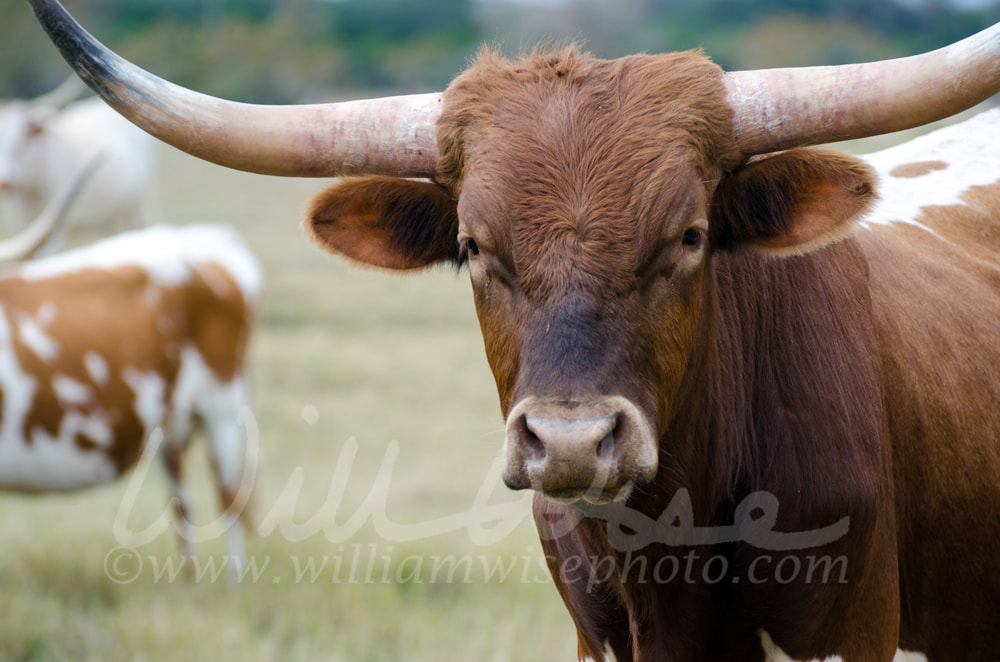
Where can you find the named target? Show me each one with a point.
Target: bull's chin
(602, 491)
(593, 495)
(598, 496)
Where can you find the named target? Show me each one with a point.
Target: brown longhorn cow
(757, 400)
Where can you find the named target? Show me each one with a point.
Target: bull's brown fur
(936, 303)
(621, 245)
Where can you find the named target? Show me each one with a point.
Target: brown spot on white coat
(918, 169)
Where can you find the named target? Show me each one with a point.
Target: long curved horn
(776, 109)
(389, 136)
(29, 240)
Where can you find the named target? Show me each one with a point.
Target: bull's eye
(692, 237)
(468, 250)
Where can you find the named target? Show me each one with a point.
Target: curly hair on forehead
(660, 100)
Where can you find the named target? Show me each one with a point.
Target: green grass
(343, 359)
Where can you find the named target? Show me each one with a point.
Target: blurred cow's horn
(29, 240)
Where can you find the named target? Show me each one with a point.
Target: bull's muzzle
(594, 450)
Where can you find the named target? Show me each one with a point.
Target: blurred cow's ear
(386, 222)
(792, 202)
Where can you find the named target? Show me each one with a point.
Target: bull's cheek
(662, 357)
(499, 326)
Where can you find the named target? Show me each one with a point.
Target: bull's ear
(791, 202)
(386, 222)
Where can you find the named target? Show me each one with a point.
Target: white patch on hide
(968, 148)
(31, 333)
(96, 367)
(774, 654)
(70, 391)
(150, 397)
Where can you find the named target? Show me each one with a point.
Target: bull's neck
(779, 376)
(781, 396)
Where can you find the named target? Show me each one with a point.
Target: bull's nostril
(613, 442)
(533, 446)
(622, 431)
(606, 448)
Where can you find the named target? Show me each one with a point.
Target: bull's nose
(570, 450)
(562, 438)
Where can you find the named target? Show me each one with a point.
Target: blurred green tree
(283, 50)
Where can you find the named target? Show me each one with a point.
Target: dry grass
(343, 359)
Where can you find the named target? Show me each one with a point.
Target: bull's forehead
(583, 108)
(587, 228)
(576, 167)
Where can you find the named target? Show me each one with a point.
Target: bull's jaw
(569, 451)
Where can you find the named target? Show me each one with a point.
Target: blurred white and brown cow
(45, 141)
(137, 339)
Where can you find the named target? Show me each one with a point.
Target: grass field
(354, 372)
